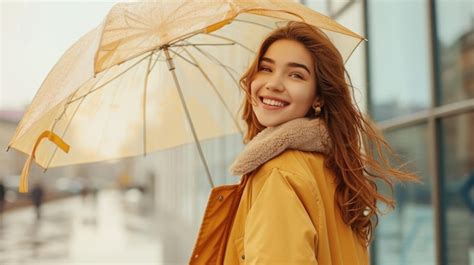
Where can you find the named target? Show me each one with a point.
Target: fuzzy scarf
(301, 134)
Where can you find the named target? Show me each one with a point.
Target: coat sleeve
(278, 228)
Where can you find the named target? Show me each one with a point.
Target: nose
(275, 83)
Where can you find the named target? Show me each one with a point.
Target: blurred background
(414, 77)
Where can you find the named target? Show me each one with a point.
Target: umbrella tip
(8, 148)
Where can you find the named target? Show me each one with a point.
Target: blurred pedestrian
(88, 191)
(37, 194)
(85, 190)
(2, 197)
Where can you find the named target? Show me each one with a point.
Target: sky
(34, 36)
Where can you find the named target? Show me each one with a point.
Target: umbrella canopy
(114, 93)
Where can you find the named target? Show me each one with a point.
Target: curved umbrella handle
(23, 188)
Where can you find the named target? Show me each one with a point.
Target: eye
(296, 75)
(265, 69)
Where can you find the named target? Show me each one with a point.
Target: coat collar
(301, 134)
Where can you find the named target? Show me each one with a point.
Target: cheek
(252, 88)
(304, 96)
(255, 86)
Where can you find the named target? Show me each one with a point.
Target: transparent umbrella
(152, 76)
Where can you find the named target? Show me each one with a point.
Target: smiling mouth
(273, 103)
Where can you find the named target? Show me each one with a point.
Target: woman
(308, 193)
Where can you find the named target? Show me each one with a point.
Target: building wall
(420, 67)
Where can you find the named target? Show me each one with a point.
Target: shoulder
(288, 177)
(293, 168)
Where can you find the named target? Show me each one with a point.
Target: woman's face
(285, 84)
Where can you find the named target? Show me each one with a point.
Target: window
(399, 57)
(457, 173)
(455, 26)
(406, 236)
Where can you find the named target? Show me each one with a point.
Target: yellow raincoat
(286, 211)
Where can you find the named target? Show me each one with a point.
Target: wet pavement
(107, 229)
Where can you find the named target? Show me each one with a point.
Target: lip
(265, 106)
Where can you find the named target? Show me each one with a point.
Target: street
(109, 229)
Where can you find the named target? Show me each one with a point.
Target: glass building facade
(420, 74)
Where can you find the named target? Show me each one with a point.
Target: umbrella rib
(68, 102)
(229, 39)
(215, 60)
(174, 12)
(144, 102)
(182, 57)
(214, 88)
(156, 60)
(115, 77)
(252, 22)
(353, 50)
(69, 122)
(133, 17)
(121, 28)
(153, 37)
(205, 44)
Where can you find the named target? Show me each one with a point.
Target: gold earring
(317, 109)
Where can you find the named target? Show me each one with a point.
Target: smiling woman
(308, 190)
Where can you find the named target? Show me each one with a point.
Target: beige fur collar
(302, 134)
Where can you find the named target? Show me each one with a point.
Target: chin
(272, 123)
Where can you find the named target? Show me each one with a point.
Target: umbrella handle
(23, 188)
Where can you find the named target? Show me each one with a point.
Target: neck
(303, 134)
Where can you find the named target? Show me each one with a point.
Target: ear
(318, 100)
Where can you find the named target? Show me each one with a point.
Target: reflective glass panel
(455, 23)
(457, 172)
(399, 57)
(406, 236)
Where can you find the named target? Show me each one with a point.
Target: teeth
(273, 102)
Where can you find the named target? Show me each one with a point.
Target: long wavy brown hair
(359, 157)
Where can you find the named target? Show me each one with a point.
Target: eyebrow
(291, 64)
